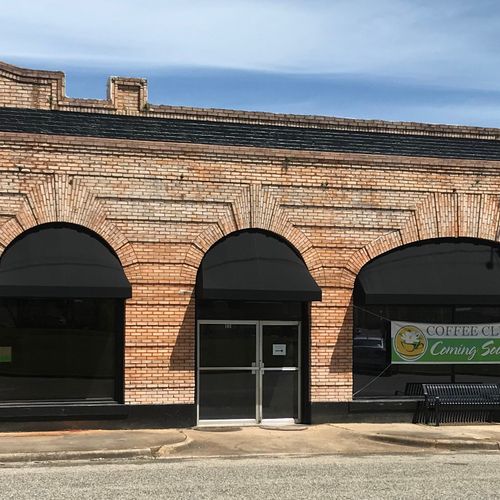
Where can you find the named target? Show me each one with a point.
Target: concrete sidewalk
(356, 439)
(88, 444)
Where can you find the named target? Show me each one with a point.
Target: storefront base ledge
(363, 411)
(39, 417)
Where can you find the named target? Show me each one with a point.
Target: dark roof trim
(246, 135)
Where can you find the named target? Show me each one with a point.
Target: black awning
(253, 265)
(446, 272)
(64, 262)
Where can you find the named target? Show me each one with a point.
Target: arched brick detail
(255, 208)
(440, 215)
(65, 199)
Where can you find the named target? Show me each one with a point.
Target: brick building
(177, 265)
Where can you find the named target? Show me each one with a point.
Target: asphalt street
(359, 477)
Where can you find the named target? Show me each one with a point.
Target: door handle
(257, 367)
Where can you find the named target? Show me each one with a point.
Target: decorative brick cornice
(287, 159)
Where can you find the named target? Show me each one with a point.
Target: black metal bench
(460, 402)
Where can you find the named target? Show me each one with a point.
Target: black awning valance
(434, 272)
(255, 266)
(64, 262)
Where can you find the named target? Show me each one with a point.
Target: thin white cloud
(451, 42)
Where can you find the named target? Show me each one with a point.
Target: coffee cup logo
(410, 343)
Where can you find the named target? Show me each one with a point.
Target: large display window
(60, 349)
(62, 299)
(374, 375)
(451, 283)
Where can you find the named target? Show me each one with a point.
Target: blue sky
(412, 60)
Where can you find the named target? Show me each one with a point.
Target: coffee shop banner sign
(445, 343)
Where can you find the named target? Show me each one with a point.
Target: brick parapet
(37, 89)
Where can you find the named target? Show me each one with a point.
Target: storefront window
(373, 373)
(417, 316)
(60, 349)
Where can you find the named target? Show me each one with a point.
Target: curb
(152, 452)
(75, 455)
(446, 444)
(167, 449)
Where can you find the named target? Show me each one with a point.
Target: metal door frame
(247, 368)
(297, 368)
(257, 369)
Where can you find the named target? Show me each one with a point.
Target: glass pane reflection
(280, 345)
(279, 394)
(58, 349)
(373, 374)
(227, 394)
(227, 345)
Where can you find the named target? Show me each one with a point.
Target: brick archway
(255, 208)
(440, 215)
(64, 199)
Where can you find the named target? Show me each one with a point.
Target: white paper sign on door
(279, 349)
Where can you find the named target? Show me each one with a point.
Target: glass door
(280, 374)
(248, 372)
(227, 374)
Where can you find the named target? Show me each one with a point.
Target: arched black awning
(255, 266)
(61, 261)
(434, 272)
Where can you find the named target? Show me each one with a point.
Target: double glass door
(248, 371)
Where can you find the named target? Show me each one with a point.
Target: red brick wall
(162, 205)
